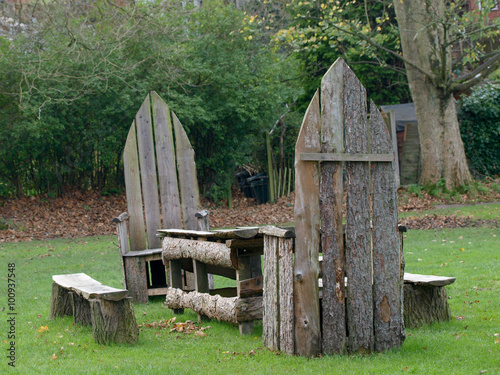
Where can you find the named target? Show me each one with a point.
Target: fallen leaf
(53, 356)
(43, 329)
(200, 334)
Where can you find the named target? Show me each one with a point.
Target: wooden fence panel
(148, 173)
(137, 229)
(358, 247)
(334, 333)
(388, 324)
(165, 156)
(307, 223)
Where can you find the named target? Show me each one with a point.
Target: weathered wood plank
(87, 287)
(331, 195)
(286, 305)
(220, 234)
(149, 178)
(251, 287)
(165, 156)
(270, 320)
(136, 279)
(388, 322)
(188, 181)
(333, 156)
(271, 230)
(137, 229)
(175, 282)
(244, 272)
(358, 248)
(307, 223)
(391, 126)
(427, 280)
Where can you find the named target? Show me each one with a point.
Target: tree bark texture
(443, 154)
(233, 310)
(424, 305)
(61, 302)
(358, 245)
(214, 253)
(388, 326)
(81, 310)
(114, 321)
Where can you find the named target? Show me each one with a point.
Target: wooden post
(270, 319)
(200, 281)
(175, 269)
(81, 310)
(307, 223)
(286, 305)
(388, 323)
(332, 239)
(358, 241)
(244, 272)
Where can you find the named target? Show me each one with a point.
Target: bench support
(113, 321)
(425, 304)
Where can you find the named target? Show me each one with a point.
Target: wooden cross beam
(312, 156)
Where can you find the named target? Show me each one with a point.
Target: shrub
(479, 118)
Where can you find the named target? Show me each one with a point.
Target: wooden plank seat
(235, 254)
(108, 310)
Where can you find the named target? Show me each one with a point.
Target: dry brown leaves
(78, 214)
(187, 328)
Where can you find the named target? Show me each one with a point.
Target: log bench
(425, 299)
(108, 310)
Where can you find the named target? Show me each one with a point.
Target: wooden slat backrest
(167, 172)
(158, 166)
(188, 181)
(149, 178)
(137, 231)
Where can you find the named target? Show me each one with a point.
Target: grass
(466, 345)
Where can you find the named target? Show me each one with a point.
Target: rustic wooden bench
(425, 299)
(108, 310)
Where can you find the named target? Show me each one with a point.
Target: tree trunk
(443, 154)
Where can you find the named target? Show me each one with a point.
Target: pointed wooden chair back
(162, 193)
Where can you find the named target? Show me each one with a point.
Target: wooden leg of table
(175, 276)
(200, 281)
(244, 272)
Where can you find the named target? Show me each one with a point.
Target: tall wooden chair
(161, 183)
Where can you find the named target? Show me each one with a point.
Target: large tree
(446, 49)
(429, 31)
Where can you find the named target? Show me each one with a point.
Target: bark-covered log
(206, 252)
(387, 318)
(232, 310)
(424, 305)
(81, 310)
(114, 321)
(61, 302)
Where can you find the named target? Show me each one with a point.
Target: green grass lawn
(469, 344)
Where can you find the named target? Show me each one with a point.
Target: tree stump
(114, 321)
(81, 310)
(425, 304)
(61, 302)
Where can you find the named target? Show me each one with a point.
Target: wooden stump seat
(425, 299)
(108, 310)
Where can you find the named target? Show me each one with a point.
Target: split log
(114, 321)
(424, 305)
(233, 310)
(81, 310)
(213, 253)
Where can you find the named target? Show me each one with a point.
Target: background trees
(72, 83)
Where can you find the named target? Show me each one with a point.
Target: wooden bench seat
(108, 310)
